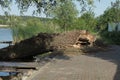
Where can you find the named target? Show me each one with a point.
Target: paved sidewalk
(100, 66)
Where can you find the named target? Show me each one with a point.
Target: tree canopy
(41, 5)
(65, 14)
(112, 14)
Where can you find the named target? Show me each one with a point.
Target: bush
(111, 37)
(23, 30)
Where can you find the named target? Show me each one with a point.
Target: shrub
(111, 37)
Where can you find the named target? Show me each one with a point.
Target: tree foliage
(112, 14)
(87, 21)
(23, 29)
(65, 14)
(41, 5)
(5, 3)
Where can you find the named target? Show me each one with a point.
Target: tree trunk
(28, 48)
(45, 42)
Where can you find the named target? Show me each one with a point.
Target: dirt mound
(65, 39)
(76, 38)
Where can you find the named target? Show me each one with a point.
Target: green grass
(21, 32)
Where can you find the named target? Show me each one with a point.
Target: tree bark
(27, 48)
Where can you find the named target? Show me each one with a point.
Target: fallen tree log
(27, 48)
(44, 42)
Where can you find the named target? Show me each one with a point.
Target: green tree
(112, 14)
(65, 14)
(41, 5)
(24, 29)
(5, 3)
(87, 21)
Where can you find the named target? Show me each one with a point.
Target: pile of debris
(76, 39)
(45, 42)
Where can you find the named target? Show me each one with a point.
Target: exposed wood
(17, 66)
(7, 69)
(85, 39)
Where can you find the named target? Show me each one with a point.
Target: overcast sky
(99, 9)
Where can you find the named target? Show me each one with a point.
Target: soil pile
(76, 38)
(66, 39)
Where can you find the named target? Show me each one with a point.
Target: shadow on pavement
(112, 55)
